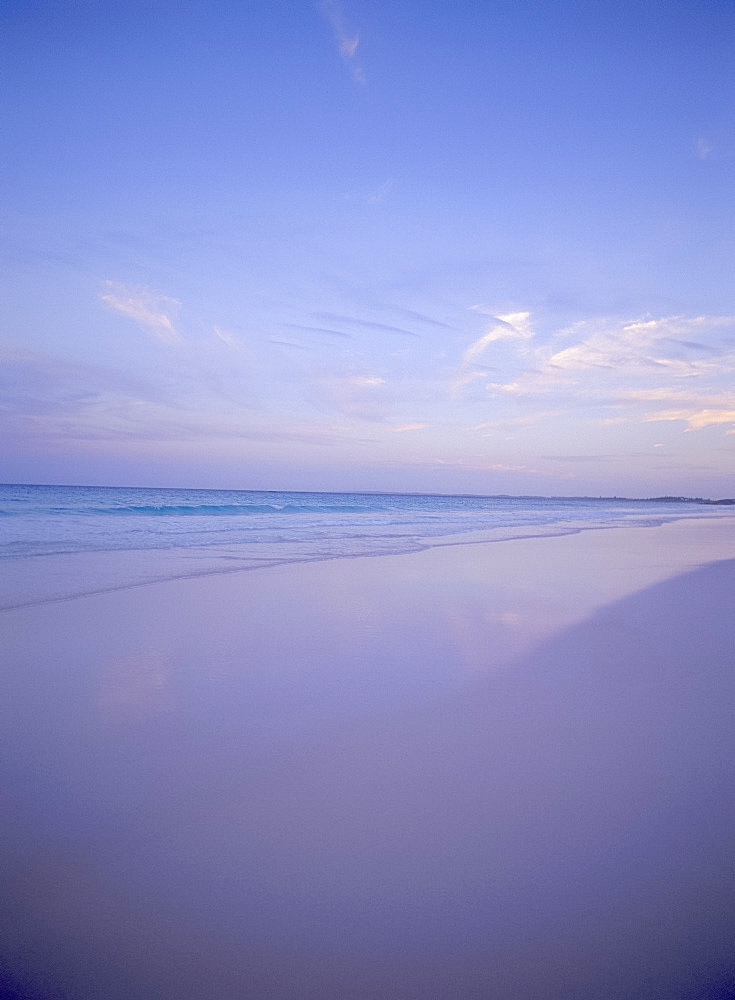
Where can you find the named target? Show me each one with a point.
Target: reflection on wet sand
(341, 785)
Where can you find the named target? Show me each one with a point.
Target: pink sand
(480, 771)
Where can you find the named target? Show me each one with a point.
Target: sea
(60, 542)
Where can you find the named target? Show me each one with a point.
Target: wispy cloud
(366, 324)
(402, 428)
(227, 337)
(289, 343)
(319, 329)
(639, 367)
(36, 384)
(509, 424)
(695, 419)
(361, 397)
(151, 311)
(704, 148)
(605, 354)
(380, 193)
(641, 344)
(681, 397)
(474, 466)
(420, 317)
(51, 399)
(54, 398)
(346, 39)
(512, 326)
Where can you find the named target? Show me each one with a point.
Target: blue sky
(475, 247)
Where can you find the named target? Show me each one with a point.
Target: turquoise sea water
(166, 533)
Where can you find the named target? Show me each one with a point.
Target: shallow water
(159, 534)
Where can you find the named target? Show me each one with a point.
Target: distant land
(728, 500)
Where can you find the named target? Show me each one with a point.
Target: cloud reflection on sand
(135, 685)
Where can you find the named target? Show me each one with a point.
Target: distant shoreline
(726, 501)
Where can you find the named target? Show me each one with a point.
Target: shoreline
(41, 572)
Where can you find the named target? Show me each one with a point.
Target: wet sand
(479, 771)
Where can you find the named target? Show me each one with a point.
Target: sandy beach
(483, 770)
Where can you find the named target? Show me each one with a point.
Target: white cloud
(347, 41)
(696, 419)
(408, 427)
(651, 348)
(638, 345)
(152, 311)
(696, 409)
(226, 337)
(512, 326)
(348, 46)
(673, 368)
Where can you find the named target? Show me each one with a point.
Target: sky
(477, 247)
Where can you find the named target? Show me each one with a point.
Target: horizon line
(670, 498)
